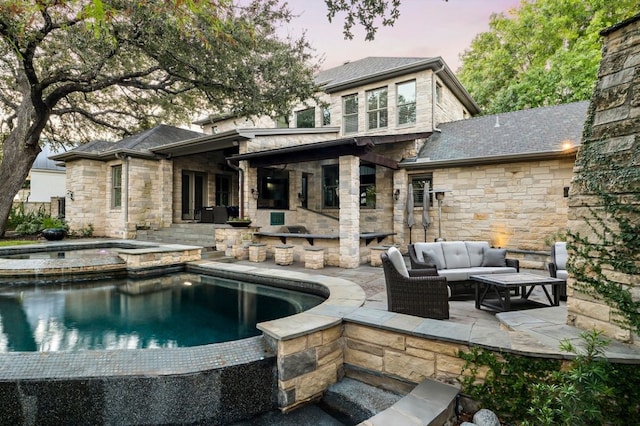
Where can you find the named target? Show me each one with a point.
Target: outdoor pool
(174, 310)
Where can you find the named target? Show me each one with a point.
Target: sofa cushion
(420, 248)
(562, 274)
(455, 254)
(463, 274)
(475, 250)
(494, 257)
(431, 258)
(398, 261)
(559, 255)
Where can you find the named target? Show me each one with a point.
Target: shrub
(589, 390)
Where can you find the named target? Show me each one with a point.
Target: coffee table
(494, 291)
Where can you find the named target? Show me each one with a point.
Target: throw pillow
(494, 257)
(430, 258)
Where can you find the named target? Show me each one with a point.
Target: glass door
(193, 194)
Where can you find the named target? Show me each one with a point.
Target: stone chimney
(607, 169)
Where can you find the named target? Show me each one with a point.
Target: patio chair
(558, 265)
(418, 292)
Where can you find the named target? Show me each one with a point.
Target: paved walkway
(534, 331)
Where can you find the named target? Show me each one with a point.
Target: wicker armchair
(421, 293)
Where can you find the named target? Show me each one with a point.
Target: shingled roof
(528, 132)
(141, 143)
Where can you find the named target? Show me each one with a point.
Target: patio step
(431, 403)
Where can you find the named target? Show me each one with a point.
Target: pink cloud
(426, 28)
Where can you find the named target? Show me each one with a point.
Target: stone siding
(87, 180)
(401, 356)
(610, 138)
(518, 205)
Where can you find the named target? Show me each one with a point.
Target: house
(340, 167)
(44, 184)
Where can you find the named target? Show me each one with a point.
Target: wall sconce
(300, 196)
(70, 195)
(255, 193)
(566, 192)
(396, 194)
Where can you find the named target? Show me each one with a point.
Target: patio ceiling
(357, 146)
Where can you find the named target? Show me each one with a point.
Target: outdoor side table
(494, 291)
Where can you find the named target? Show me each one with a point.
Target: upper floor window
(282, 122)
(406, 98)
(350, 113)
(439, 93)
(377, 114)
(306, 118)
(116, 186)
(326, 117)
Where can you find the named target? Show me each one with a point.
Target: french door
(194, 185)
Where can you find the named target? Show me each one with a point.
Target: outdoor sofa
(457, 260)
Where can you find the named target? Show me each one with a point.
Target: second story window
(377, 108)
(326, 117)
(350, 113)
(306, 118)
(282, 122)
(116, 187)
(406, 98)
(438, 93)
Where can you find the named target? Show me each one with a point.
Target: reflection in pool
(175, 310)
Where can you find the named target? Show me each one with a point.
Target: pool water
(175, 310)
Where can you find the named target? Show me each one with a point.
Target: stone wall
(517, 205)
(401, 356)
(607, 163)
(86, 180)
(307, 365)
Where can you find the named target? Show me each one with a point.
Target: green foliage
(506, 388)
(546, 52)
(365, 12)
(33, 222)
(616, 228)
(591, 392)
(18, 216)
(86, 232)
(588, 391)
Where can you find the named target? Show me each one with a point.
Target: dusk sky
(426, 28)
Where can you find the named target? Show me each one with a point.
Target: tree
(76, 70)
(546, 52)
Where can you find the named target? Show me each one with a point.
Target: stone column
(349, 192)
(401, 182)
(606, 174)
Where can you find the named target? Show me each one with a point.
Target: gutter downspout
(125, 201)
(433, 99)
(241, 194)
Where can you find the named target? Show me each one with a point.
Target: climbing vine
(605, 252)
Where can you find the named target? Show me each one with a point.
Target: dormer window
(377, 114)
